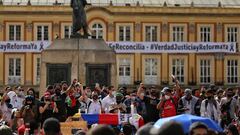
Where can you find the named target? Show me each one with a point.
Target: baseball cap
(166, 89)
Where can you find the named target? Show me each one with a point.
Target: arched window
(97, 31)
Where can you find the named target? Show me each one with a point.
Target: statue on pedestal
(79, 19)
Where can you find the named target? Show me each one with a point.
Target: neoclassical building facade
(130, 23)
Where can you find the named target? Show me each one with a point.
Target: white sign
(173, 47)
(23, 46)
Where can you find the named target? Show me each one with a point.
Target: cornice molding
(116, 11)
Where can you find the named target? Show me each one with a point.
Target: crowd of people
(22, 111)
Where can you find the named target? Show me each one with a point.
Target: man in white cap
(13, 97)
(168, 103)
(20, 97)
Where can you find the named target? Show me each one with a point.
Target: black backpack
(214, 103)
(225, 108)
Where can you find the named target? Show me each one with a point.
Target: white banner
(173, 47)
(23, 46)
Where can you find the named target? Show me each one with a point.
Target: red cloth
(140, 122)
(21, 130)
(73, 100)
(111, 119)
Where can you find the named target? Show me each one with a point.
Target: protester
(229, 108)
(28, 111)
(5, 130)
(84, 100)
(189, 104)
(13, 98)
(169, 128)
(141, 108)
(6, 108)
(128, 129)
(196, 93)
(210, 107)
(34, 127)
(36, 103)
(16, 120)
(2, 121)
(168, 104)
(145, 130)
(21, 127)
(95, 105)
(237, 92)
(50, 90)
(71, 101)
(52, 127)
(58, 98)
(219, 95)
(198, 128)
(109, 99)
(118, 106)
(20, 97)
(132, 102)
(32, 93)
(47, 108)
(232, 130)
(64, 88)
(88, 92)
(151, 101)
(105, 92)
(101, 130)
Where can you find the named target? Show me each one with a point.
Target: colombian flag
(113, 119)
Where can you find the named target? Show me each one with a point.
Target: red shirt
(169, 108)
(21, 130)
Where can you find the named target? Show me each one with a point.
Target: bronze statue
(79, 18)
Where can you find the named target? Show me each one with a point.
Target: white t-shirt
(94, 108)
(106, 102)
(19, 103)
(84, 105)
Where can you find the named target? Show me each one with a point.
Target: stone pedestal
(89, 60)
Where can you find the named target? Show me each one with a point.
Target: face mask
(167, 97)
(229, 95)
(209, 97)
(133, 98)
(21, 93)
(114, 93)
(142, 94)
(89, 94)
(95, 97)
(197, 95)
(31, 94)
(47, 100)
(64, 88)
(153, 93)
(29, 104)
(118, 101)
(58, 92)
